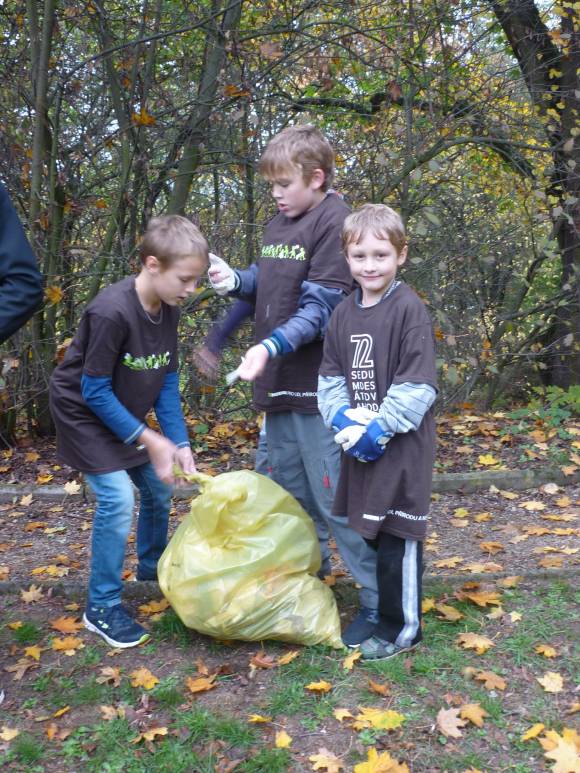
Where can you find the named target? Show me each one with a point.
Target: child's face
(293, 195)
(173, 284)
(373, 262)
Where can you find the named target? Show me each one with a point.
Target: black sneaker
(379, 649)
(115, 625)
(361, 628)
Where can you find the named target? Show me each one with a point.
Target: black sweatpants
(399, 575)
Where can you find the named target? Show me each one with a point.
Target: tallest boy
(300, 278)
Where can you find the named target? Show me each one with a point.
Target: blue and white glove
(366, 444)
(348, 417)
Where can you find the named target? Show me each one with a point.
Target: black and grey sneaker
(361, 628)
(379, 649)
(115, 625)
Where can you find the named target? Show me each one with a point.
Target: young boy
(300, 278)
(376, 386)
(121, 363)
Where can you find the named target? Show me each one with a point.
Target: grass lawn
(462, 701)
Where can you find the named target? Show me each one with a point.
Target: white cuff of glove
(361, 415)
(228, 280)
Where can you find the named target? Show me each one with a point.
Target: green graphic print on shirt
(284, 251)
(151, 362)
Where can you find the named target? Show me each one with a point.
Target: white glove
(361, 415)
(349, 436)
(223, 279)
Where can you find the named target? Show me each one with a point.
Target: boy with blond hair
(300, 278)
(379, 361)
(122, 363)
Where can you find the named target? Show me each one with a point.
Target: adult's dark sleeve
(20, 279)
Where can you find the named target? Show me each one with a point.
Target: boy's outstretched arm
(170, 417)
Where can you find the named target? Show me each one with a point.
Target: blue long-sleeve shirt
(98, 394)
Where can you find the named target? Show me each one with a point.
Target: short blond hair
(381, 220)
(303, 148)
(171, 237)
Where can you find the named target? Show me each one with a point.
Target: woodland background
(462, 114)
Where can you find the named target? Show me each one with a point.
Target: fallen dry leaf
(34, 593)
(342, 714)
(533, 731)
(563, 749)
(492, 547)
(473, 712)
(380, 763)
(149, 735)
(481, 598)
(33, 652)
(449, 723)
(474, 641)
(546, 650)
(69, 645)
(380, 689)
(153, 607)
(20, 668)
(261, 660)
(490, 680)
(283, 660)
(449, 613)
(326, 760)
(378, 718)
(350, 660)
(142, 677)
(258, 718)
(72, 487)
(108, 713)
(202, 684)
(283, 740)
(551, 681)
(109, 675)
(321, 686)
(66, 624)
(60, 712)
(8, 733)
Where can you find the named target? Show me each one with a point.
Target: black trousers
(399, 576)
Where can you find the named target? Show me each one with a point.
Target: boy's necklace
(154, 321)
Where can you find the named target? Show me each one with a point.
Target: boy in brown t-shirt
(122, 363)
(376, 386)
(301, 276)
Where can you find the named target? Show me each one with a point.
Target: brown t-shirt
(373, 348)
(305, 248)
(115, 339)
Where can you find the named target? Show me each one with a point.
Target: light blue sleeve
(332, 395)
(404, 406)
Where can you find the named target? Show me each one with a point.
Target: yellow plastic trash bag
(242, 565)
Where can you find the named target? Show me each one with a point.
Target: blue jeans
(112, 524)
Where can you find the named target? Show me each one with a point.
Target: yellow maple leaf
(143, 118)
(342, 714)
(510, 582)
(349, 661)
(283, 660)
(283, 740)
(449, 613)
(321, 686)
(533, 731)
(492, 547)
(551, 681)
(448, 563)
(60, 712)
(258, 718)
(473, 712)
(380, 689)
(427, 604)
(326, 760)
(481, 598)
(109, 713)
(33, 652)
(481, 517)
(532, 505)
(66, 624)
(487, 460)
(201, 684)
(546, 650)
(474, 641)
(72, 487)
(16, 625)
(34, 593)
(377, 718)
(150, 735)
(450, 723)
(563, 749)
(507, 494)
(142, 677)
(8, 733)
(53, 294)
(380, 763)
(109, 675)
(68, 645)
(31, 456)
(26, 500)
(154, 606)
(45, 477)
(490, 680)
(460, 512)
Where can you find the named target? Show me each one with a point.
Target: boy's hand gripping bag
(243, 563)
